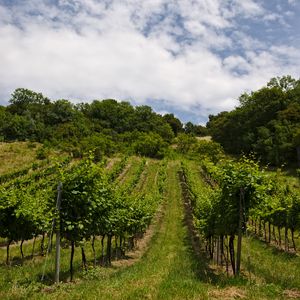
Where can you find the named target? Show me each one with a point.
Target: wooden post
(57, 231)
(239, 243)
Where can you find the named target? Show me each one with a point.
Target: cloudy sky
(189, 57)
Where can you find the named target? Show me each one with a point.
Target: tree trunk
(218, 249)
(43, 245)
(121, 246)
(222, 248)
(116, 247)
(71, 259)
(21, 250)
(51, 242)
(269, 225)
(286, 239)
(259, 227)
(279, 236)
(226, 258)
(102, 249)
(83, 259)
(108, 249)
(212, 247)
(274, 235)
(294, 245)
(7, 252)
(239, 243)
(231, 250)
(33, 246)
(211, 255)
(94, 252)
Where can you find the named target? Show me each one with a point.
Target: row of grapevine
(278, 211)
(133, 177)
(227, 196)
(117, 169)
(203, 200)
(92, 206)
(24, 212)
(26, 204)
(35, 174)
(9, 176)
(277, 205)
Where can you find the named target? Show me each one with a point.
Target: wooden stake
(57, 244)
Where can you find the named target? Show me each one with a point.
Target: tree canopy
(267, 123)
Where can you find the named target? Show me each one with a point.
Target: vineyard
(203, 230)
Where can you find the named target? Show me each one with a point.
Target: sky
(188, 57)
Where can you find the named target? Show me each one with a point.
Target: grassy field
(17, 155)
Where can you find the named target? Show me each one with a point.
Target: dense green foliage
(108, 126)
(267, 122)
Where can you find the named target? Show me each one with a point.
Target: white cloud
(86, 49)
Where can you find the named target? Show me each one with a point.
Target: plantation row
(95, 202)
(236, 198)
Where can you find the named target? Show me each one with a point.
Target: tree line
(107, 125)
(266, 122)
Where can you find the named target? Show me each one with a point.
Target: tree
(174, 122)
(185, 142)
(264, 123)
(285, 83)
(149, 144)
(24, 99)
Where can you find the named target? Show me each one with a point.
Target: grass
(129, 171)
(272, 266)
(17, 155)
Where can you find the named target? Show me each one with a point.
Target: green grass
(17, 155)
(148, 177)
(270, 265)
(127, 176)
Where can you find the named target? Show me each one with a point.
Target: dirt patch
(122, 176)
(291, 294)
(227, 294)
(111, 163)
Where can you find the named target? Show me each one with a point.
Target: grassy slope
(17, 155)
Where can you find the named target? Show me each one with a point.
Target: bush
(42, 153)
(149, 144)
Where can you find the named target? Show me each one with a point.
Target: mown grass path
(168, 269)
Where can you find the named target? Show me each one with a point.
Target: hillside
(168, 260)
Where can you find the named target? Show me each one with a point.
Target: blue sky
(189, 57)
